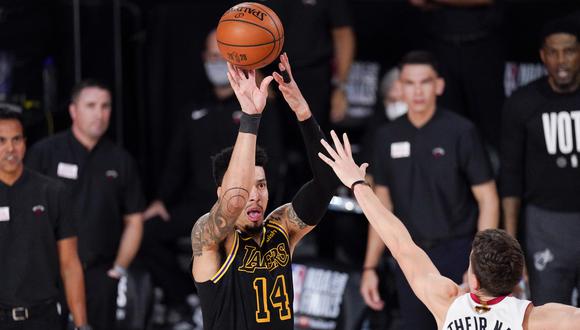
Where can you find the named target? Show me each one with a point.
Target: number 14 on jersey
(277, 297)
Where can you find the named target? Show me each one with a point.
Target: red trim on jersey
(488, 303)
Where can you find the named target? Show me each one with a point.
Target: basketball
(250, 35)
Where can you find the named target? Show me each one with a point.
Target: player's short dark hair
(221, 160)
(568, 25)
(87, 83)
(497, 261)
(419, 57)
(6, 114)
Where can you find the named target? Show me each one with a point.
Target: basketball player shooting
(496, 266)
(241, 258)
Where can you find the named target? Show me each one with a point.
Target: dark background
(149, 52)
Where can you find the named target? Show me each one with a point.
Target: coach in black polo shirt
(107, 196)
(37, 240)
(430, 168)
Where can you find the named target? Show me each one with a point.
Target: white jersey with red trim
(501, 313)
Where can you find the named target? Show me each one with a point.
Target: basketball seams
(260, 60)
(265, 10)
(252, 23)
(280, 35)
(274, 40)
(244, 46)
(233, 50)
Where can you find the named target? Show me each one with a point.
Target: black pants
(101, 298)
(552, 254)
(159, 253)
(452, 259)
(47, 320)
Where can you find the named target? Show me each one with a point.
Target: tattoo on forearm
(215, 226)
(293, 217)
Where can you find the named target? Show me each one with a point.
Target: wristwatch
(84, 327)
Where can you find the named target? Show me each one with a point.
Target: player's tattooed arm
(293, 217)
(296, 228)
(212, 228)
(286, 215)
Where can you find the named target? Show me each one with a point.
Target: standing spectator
(390, 107)
(316, 31)
(465, 39)
(37, 239)
(186, 188)
(540, 175)
(391, 94)
(432, 171)
(107, 196)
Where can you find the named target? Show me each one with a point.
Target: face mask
(394, 110)
(217, 72)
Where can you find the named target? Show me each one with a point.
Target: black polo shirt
(105, 186)
(429, 172)
(34, 215)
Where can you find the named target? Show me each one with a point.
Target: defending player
(496, 265)
(241, 259)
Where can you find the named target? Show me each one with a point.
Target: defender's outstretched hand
(252, 99)
(341, 160)
(290, 90)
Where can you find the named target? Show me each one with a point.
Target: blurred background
(150, 53)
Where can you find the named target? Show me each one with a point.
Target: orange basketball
(250, 35)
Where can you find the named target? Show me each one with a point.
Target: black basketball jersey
(253, 288)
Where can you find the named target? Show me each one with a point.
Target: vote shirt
(540, 148)
(34, 216)
(430, 171)
(468, 313)
(104, 185)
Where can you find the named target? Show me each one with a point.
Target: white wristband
(120, 270)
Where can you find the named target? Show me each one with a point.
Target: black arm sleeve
(311, 201)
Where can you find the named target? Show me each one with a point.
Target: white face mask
(394, 110)
(216, 72)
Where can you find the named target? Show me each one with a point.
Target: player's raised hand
(341, 160)
(287, 85)
(252, 99)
